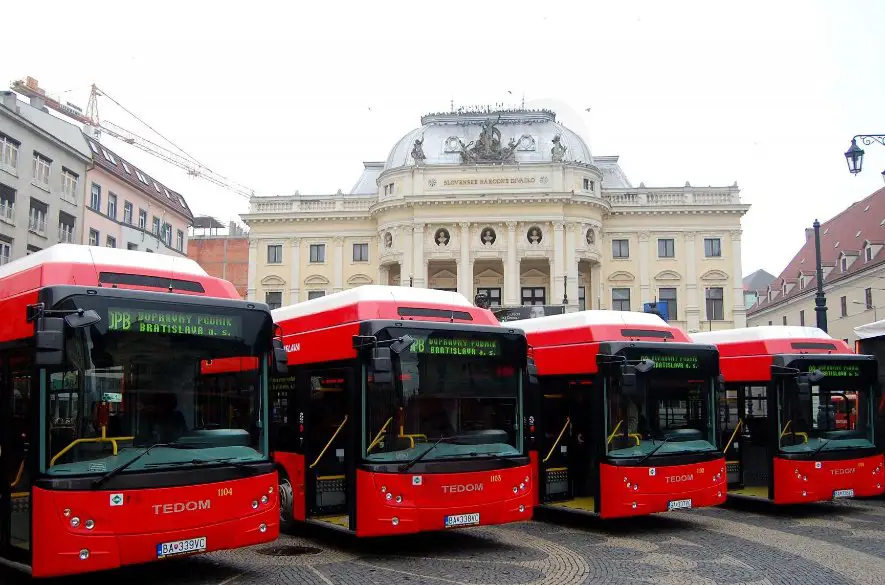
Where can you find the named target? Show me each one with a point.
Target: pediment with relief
(714, 275)
(316, 279)
(272, 280)
(489, 273)
(667, 275)
(621, 276)
(444, 273)
(359, 279)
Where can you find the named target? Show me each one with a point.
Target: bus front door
(748, 451)
(328, 431)
(15, 422)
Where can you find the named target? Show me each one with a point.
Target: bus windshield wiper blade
(499, 457)
(655, 450)
(407, 466)
(99, 481)
(823, 443)
(226, 461)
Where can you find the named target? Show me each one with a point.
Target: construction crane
(94, 126)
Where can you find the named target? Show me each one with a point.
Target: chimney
(9, 100)
(39, 102)
(809, 234)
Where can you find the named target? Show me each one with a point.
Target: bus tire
(287, 502)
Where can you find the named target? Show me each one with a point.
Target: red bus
(796, 415)
(114, 450)
(623, 415)
(402, 413)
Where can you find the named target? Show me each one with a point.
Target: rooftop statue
(488, 148)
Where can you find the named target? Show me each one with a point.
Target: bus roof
(387, 302)
(598, 325)
(75, 264)
(870, 330)
(770, 340)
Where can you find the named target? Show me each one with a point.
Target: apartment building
(43, 167)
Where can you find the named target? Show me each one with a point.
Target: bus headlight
(394, 521)
(264, 499)
(89, 525)
(521, 508)
(84, 554)
(515, 490)
(389, 496)
(75, 522)
(399, 499)
(262, 528)
(254, 504)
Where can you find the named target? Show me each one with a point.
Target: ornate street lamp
(564, 289)
(820, 300)
(854, 155)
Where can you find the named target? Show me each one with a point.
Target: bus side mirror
(82, 319)
(382, 365)
(628, 379)
(280, 358)
(532, 370)
(50, 342)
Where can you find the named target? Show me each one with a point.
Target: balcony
(37, 225)
(7, 212)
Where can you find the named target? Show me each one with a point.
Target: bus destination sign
(837, 370)
(466, 346)
(674, 362)
(174, 323)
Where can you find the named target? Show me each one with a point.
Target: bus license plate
(462, 520)
(843, 494)
(679, 505)
(181, 547)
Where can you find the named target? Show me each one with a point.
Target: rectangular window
(620, 248)
(167, 235)
(493, 294)
(111, 242)
(156, 226)
(8, 151)
(7, 203)
(109, 156)
(32, 250)
(715, 304)
(275, 254)
(66, 228)
(784, 320)
(142, 219)
(41, 169)
(361, 252)
(802, 318)
(315, 294)
(588, 185)
(131, 246)
(37, 216)
(582, 298)
(843, 306)
(93, 237)
(666, 248)
(868, 254)
(669, 295)
(95, 197)
(141, 177)
(317, 252)
(5, 251)
(125, 166)
(274, 300)
(620, 299)
(534, 295)
(127, 212)
(712, 247)
(179, 241)
(868, 298)
(69, 182)
(112, 206)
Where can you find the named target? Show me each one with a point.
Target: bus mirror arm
(280, 358)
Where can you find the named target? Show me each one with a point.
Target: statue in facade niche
(558, 151)
(418, 151)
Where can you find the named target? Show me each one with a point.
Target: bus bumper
(637, 491)
(797, 482)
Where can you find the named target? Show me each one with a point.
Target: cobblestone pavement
(750, 544)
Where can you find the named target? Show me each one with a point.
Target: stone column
(338, 282)
(596, 291)
(384, 274)
(419, 265)
(465, 263)
(557, 268)
(404, 240)
(739, 309)
(571, 263)
(295, 271)
(253, 270)
(692, 308)
(511, 271)
(644, 277)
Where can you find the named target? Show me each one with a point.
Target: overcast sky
(286, 96)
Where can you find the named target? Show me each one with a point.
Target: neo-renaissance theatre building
(514, 205)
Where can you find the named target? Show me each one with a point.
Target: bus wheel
(287, 503)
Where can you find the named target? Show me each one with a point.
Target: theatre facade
(513, 205)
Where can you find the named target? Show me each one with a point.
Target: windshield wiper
(497, 456)
(407, 466)
(823, 443)
(225, 460)
(98, 482)
(655, 450)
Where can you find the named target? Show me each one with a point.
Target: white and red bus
(796, 415)
(623, 417)
(402, 413)
(115, 451)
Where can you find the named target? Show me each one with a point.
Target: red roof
(848, 232)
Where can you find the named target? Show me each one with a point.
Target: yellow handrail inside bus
(18, 476)
(568, 420)
(323, 452)
(734, 434)
(102, 439)
(636, 436)
(801, 434)
(377, 438)
(614, 432)
(787, 426)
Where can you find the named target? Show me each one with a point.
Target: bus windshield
(832, 416)
(133, 380)
(668, 416)
(455, 394)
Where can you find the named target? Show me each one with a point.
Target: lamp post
(854, 154)
(820, 300)
(564, 289)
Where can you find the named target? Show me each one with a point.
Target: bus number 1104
(225, 491)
